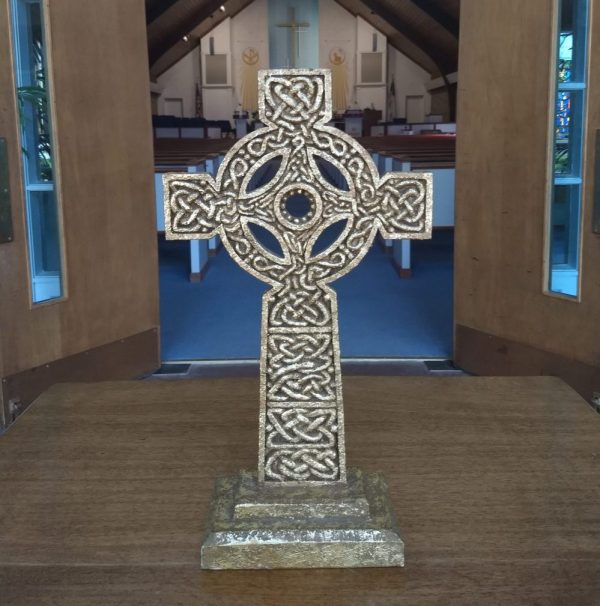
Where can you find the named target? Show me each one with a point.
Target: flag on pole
(392, 101)
(199, 106)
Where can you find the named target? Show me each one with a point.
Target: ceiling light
(222, 8)
(186, 38)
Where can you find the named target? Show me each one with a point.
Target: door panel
(505, 323)
(98, 68)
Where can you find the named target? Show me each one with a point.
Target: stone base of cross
(302, 508)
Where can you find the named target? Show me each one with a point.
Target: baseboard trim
(481, 353)
(127, 358)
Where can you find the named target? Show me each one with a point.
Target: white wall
(337, 29)
(219, 102)
(250, 27)
(370, 96)
(179, 82)
(409, 80)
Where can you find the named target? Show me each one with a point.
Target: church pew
(200, 250)
(416, 147)
(431, 153)
(399, 128)
(443, 172)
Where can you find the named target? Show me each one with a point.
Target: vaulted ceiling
(426, 31)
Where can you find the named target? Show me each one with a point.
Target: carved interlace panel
(301, 410)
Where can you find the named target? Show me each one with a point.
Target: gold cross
(295, 28)
(301, 406)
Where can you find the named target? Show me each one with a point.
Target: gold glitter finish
(302, 509)
(257, 525)
(301, 438)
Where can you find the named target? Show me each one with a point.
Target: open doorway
(385, 310)
(398, 301)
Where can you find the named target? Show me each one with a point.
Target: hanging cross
(295, 29)
(301, 408)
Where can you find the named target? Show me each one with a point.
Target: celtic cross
(301, 409)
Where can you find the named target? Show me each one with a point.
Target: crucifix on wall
(295, 29)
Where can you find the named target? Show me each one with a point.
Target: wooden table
(105, 489)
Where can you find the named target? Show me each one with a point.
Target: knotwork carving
(293, 102)
(301, 415)
(301, 426)
(303, 465)
(300, 308)
(300, 367)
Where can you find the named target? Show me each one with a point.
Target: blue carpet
(381, 315)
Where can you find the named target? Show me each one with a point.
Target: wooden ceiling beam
(184, 27)
(446, 20)
(180, 49)
(446, 64)
(395, 39)
(155, 9)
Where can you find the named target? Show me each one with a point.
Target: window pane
(564, 242)
(36, 142)
(572, 41)
(565, 203)
(44, 245)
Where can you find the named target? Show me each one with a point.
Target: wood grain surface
(98, 68)
(502, 180)
(105, 490)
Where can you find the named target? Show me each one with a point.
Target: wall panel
(103, 143)
(506, 51)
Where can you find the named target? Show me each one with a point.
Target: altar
(105, 490)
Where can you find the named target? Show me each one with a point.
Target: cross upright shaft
(301, 407)
(302, 413)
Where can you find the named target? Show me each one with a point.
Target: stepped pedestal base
(332, 526)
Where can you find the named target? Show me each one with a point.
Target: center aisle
(381, 315)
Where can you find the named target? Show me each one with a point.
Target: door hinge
(15, 408)
(596, 401)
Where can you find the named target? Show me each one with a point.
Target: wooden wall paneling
(103, 143)
(109, 109)
(590, 260)
(506, 52)
(127, 358)
(13, 260)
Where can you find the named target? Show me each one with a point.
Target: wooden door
(505, 321)
(102, 321)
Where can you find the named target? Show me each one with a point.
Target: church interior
(385, 88)
(137, 335)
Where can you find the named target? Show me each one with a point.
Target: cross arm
(193, 206)
(404, 205)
